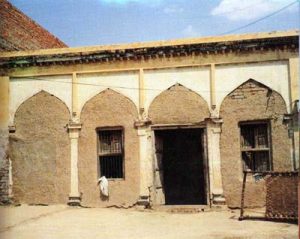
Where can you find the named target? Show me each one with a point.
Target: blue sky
(101, 22)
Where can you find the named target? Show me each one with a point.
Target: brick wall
(282, 195)
(19, 32)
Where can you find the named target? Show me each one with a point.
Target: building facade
(172, 122)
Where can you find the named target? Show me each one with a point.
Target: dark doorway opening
(182, 166)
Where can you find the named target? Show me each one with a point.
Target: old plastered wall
(108, 108)
(40, 151)
(251, 101)
(178, 105)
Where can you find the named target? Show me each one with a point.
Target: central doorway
(181, 166)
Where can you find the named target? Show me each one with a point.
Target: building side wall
(108, 108)
(19, 32)
(178, 105)
(40, 151)
(251, 101)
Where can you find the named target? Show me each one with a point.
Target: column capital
(141, 123)
(74, 129)
(214, 121)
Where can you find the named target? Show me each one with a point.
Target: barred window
(110, 152)
(255, 146)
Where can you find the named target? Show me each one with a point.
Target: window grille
(255, 146)
(110, 152)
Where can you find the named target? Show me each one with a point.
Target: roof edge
(152, 44)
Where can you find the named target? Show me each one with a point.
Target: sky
(102, 22)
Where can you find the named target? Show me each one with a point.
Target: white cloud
(236, 10)
(190, 31)
(124, 2)
(173, 9)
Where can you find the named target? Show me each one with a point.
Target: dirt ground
(60, 221)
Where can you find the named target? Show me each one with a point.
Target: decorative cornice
(214, 120)
(74, 126)
(146, 52)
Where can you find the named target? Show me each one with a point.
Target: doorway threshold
(182, 208)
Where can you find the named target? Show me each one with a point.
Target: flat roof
(168, 43)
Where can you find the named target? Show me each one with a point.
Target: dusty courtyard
(61, 221)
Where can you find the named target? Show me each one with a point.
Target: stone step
(183, 208)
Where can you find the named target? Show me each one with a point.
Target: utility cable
(260, 19)
(109, 86)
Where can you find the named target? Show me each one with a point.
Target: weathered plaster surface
(40, 151)
(22, 89)
(251, 101)
(272, 74)
(108, 108)
(178, 105)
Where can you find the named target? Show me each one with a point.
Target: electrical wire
(260, 19)
(109, 86)
(205, 17)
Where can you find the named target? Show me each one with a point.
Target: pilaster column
(214, 159)
(145, 158)
(74, 196)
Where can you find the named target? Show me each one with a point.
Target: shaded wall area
(40, 151)
(178, 105)
(251, 101)
(108, 109)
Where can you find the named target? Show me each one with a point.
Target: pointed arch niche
(273, 74)
(251, 101)
(157, 81)
(22, 89)
(39, 150)
(178, 105)
(108, 109)
(125, 83)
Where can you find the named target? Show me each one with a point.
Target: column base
(143, 201)
(218, 199)
(74, 201)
